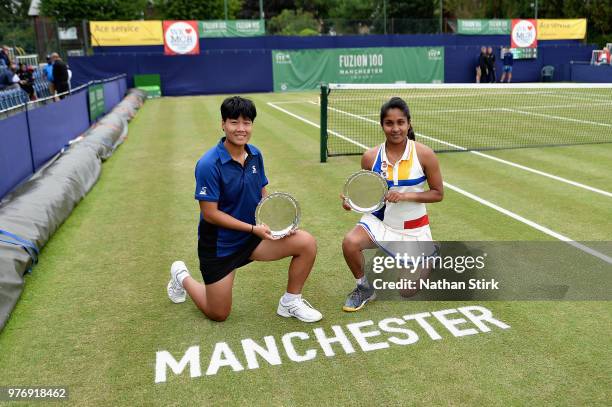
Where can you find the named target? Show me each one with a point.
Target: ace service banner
(121, 33)
(181, 38)
(562, 29)
(307, 69)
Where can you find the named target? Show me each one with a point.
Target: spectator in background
(490, 60)
(49, 75)
(60, 75)
(508, 62)
(5, 59)
(26, 80)
(482, 72)
(8, 78)
(604, 57)
(69, 77)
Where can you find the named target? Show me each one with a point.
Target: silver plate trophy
(280, 212)
(365, 191)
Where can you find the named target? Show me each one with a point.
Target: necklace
(393, 161)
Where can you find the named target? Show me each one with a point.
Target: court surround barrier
(219, 69)
(584, 72)
(36, 131)
(34, 210)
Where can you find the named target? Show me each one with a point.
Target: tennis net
(463, 117)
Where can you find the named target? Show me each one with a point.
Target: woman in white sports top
(406, 165)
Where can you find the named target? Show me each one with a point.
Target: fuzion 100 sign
(360, 60)
(307, 69)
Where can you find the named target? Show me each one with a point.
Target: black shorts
(215, 268)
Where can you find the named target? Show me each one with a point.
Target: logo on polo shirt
(203, 191)
(254, 170)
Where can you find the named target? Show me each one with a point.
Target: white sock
(288, 298)
(362, 281)
(182, 275)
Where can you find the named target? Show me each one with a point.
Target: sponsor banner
(483, 27)
(566, 29)
(306, 69)
(231, 28)
(120, 33)
(524, 53)
(524, 34)
(96, 101)
(181, 38)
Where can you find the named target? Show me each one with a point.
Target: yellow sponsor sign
(118, 33)
(566, 29)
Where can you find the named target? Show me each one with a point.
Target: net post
(323, 123)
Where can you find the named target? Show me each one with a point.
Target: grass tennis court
(460, 117)
(94, 312)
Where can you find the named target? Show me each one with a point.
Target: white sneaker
(176, 292)
(300, 309)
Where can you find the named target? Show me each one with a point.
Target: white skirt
(416, 242)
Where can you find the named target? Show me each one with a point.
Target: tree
(353, 9)
(417, 16)
(74, 10)
(197, 9)
(601, 17)
(15, 27)
(14, 11)
(272, 8)
(290, 22)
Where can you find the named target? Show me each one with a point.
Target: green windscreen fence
(307, 69)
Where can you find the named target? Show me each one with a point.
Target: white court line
(485, 109)
(565, 96)
(491, 205)
(569, 119)
(590, 94)
(288, 102)
(492, 109)
(531, 223)
(490, 157)
(447, 95)
(601, 104)
(316, 125)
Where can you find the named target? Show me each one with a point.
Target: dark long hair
(397, 103)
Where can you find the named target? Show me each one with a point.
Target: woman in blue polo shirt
(230, 182)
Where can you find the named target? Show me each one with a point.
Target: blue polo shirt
(508, 59)
(237, 191)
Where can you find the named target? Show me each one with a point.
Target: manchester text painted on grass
(365, 334)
